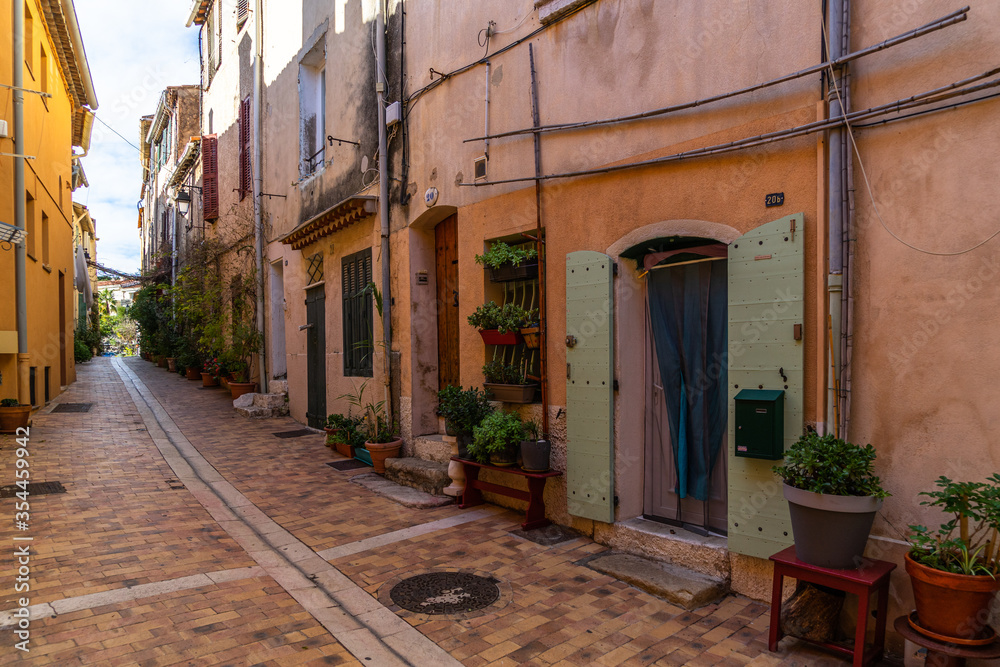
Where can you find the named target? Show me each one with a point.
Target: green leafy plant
(9, 403)
(501, 254)
(826, 464)
(506, 318)
(81, 352)
(500, 433)
(531, 430)
(463, 409)
(968, 543)
(499, 372)
(376, 425)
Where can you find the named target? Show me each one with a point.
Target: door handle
(455, 292)
(305, 326)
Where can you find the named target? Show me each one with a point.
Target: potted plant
(531, 331)
(833, 495)
(381, 435)
(954, 570)
(506, 263)
(13, 415)
(506, 382)
(188, 359)
(534, 450)
(500, 325)
(210, 372)
(463, 410)
(497, 438)
(342, 433)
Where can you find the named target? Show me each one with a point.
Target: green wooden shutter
(766, 288)
(589, 386)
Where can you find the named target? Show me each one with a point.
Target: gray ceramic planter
(830, 531)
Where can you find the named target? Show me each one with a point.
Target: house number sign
(774, 199)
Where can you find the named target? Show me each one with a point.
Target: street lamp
(183, 201)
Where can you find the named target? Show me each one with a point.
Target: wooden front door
(446, 262)
(316, 357)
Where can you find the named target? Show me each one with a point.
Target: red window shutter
(210, 176)
(246, 148)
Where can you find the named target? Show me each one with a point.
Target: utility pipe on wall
(542, 254)
(20, 257)
(383, 194)
(258, 184)
(834, 35)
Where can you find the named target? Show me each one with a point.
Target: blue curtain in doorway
(688, 321)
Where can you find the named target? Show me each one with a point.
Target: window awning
(333, 219)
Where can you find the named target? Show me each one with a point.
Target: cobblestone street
(189, 535)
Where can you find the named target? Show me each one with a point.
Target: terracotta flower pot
(237, 389)
(380, 451)
(331, 434)
(209, 380)
(161, 362)
(511, 393)
(192, 373)
(13, 418)
(953, 605)
(172, 364)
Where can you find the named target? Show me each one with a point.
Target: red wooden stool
(873, 575)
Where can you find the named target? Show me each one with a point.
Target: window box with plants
(954, 571)
(13, 415)
(833, 495)
(497, 439)
(506, 382)
(501, 325)
(507, 263)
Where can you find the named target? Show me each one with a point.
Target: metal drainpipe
(20, 258)
(542, 253)
(383, 196)
(173, 245)
(258, 184)
(835, 204)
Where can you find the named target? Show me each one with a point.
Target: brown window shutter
(242, 10)
(246, 140)
(210, 176)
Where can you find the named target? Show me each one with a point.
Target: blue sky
(135, 49)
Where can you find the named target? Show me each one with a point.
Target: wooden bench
(535, 516)
(873, 575)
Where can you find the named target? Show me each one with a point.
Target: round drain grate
(445, 593)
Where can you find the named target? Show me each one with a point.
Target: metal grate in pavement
(445, 593)
(34, 489)
(73, 407)
(294, 434)
(349, 464)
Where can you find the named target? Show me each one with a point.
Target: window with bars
(315, 268)
(358, 322)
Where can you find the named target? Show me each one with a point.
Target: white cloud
(135, 50)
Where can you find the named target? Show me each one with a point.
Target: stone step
(435, 447)
(404, 495)
(678, 585)
(652, 539)
(427, 476)
(257, 412)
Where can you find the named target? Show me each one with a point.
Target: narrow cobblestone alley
(189, 535)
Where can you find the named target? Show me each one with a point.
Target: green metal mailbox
(760, 423)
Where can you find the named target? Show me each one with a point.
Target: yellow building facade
(58, 106)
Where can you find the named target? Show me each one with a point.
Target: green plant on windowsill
(9, 403)
(497, 437)
(463, 409)
(826, 464)
(498, 372)
(505, 319)
(970, 542)
(501, 254)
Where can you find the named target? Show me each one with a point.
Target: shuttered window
(242, 10)
(210, 176)
(358, 315)
(246, 139)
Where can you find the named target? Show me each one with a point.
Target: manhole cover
(294, 434)
(445, 593)
(34, 489)
(73, 407)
